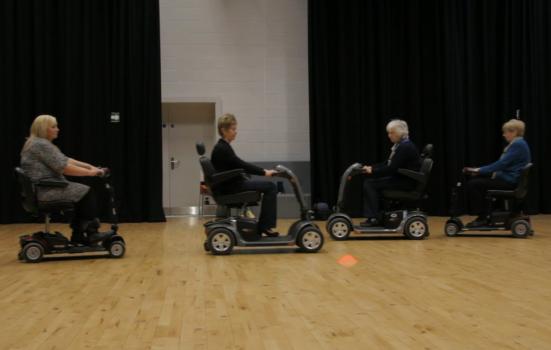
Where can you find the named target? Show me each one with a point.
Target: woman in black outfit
(404, 154)
(224, 158)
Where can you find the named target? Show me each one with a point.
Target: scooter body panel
(57, 243)
(395, 220)
(232, 224)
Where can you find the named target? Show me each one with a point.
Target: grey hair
(400, 126)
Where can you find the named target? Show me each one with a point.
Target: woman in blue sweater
(503, 174)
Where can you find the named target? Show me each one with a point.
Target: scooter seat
(239, 198)
(402, 195)
(55, 206)
(502, 193)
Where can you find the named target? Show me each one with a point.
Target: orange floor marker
(347, 260)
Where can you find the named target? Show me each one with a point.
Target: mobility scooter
(35, 246)
(411, 223)
(239, 230)
(510, 217)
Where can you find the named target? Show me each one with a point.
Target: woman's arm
(80, 164)
(399, 160)
(512, 155)
(74, 170)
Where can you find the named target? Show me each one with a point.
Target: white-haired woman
(503, 174)
(41, 159)
(403, 154)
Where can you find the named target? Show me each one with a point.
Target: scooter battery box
(247, 226)
(500, 217)
(393, 219)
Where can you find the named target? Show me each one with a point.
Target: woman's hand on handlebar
(367, 169)
(97, 171)
(471, 170)
(270, 172)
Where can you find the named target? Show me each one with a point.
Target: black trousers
(268, 212)
(372, 192)
(85, 211)
(477, 188)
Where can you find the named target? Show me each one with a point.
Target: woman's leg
(268, 213)
(477, 188)
(372, 191)
(85, 215)
(371, 198)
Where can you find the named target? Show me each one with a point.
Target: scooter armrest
(51, 183)
(224, 176)
(414, 175)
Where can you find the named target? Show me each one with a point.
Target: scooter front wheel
(521, 228)
(310, 239)
(339, 229)
(416, 228)
(220, 241)
(117, 249)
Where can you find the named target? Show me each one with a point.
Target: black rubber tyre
(310, 239)
(220, 241)
(117, 249)
(33, 252)
(339, 229)
(521, 228)
(451, 229)
(416, 228)
(206, 246)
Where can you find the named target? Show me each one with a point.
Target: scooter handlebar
(106, 173)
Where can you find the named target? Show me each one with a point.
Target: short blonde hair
(400, 126)
(225, 122)
(515, 125)
(39, 128)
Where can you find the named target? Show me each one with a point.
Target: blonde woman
(224, 158)
(41, 159)
(503, 174)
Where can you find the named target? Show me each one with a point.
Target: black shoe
(270, 233)
(97, 237)
(479, 221)
(371, 222)
(77, 238)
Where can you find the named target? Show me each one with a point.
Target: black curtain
(80, 60)
(455, 70)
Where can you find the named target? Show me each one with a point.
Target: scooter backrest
(200, 148)
(208, 170)
(28, 194)
(427, 151)
(522, 187)
(426, 168)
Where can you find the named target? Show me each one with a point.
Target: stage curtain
(455, 70)
(80, 61)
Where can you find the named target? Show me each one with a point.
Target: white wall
(250, 54)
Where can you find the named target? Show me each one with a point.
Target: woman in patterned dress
(41, 159)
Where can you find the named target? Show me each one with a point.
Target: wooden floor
(167, 293)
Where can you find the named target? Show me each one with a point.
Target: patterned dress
(43, 160)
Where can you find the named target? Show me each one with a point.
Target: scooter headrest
(200, 147)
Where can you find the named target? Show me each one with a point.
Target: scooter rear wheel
(33, 252)
(310, 239)
(416, 228)
(451, 229)
(339, 229)
(117, 249)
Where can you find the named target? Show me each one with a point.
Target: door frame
(217, 107)
(217, 112)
